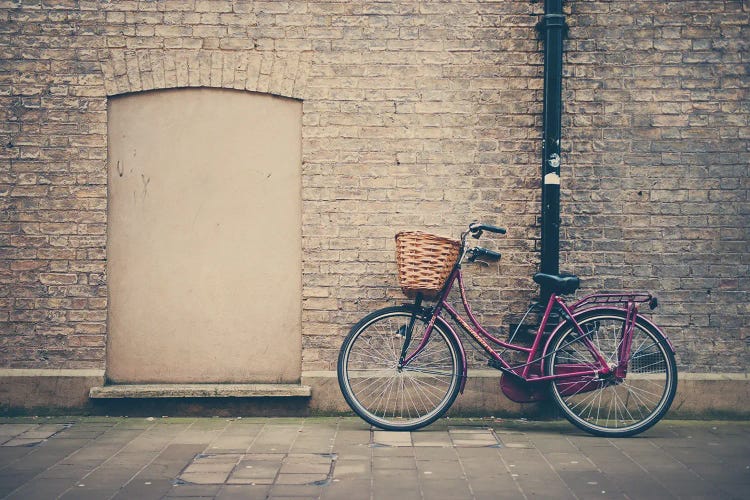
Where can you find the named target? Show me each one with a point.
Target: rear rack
(617, 298)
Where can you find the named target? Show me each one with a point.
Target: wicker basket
(424, 262)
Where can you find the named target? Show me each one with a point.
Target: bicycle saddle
(561, 285)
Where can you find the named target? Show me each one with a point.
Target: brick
(58, 278)
(28, 265)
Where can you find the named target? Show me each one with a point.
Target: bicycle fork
(407, 330)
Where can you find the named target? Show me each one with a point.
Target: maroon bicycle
(611, 371)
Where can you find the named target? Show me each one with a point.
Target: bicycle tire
(393, 399)
(609, 406)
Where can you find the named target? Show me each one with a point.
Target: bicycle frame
(524, 372)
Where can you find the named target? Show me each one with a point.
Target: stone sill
(200, 391)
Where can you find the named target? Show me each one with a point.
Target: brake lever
(472, 229)
(473, 259)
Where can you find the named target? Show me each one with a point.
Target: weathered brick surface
(416, 115)
(656, 132)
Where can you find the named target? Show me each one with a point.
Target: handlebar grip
(476, 229)
(486, 255)
(493, 229)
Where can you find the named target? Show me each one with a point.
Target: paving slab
(243, 492)
(356, 469)
(432, 439)
(347, 489)
(145, 490)
(390, 438)
(342, 458)
(445, 488)
(473, 438)
(48, 488)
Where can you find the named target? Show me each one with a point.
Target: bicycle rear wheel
(609, 406)
(386, 396)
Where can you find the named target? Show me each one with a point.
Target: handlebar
(476, 229)
(483, 254)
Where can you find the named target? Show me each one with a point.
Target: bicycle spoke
(374, 389)
(623, 405)
(599, 396)
(412, 402)
(639, 402)
(427, 371)
(424, 394)
(384, 398)
(584, 400)
(642, 393)
(655, 363)
(634, 350)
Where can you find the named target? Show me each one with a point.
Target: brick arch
(127, 71)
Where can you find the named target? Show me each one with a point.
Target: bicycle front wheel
(607, 405)
(390, 397)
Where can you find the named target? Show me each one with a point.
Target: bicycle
(610, 370)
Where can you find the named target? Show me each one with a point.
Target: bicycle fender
(651, 324)
(464, 362)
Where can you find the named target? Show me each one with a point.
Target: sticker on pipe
(552, 178)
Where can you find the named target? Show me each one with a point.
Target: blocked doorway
(204, 237)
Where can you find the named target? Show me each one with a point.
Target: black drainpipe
(552, 28)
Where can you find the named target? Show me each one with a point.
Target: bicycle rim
(390, 398)
(609, 406)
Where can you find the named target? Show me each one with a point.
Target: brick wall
(416, 115)
(657, 136)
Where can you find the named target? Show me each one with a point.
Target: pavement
(343, 458)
